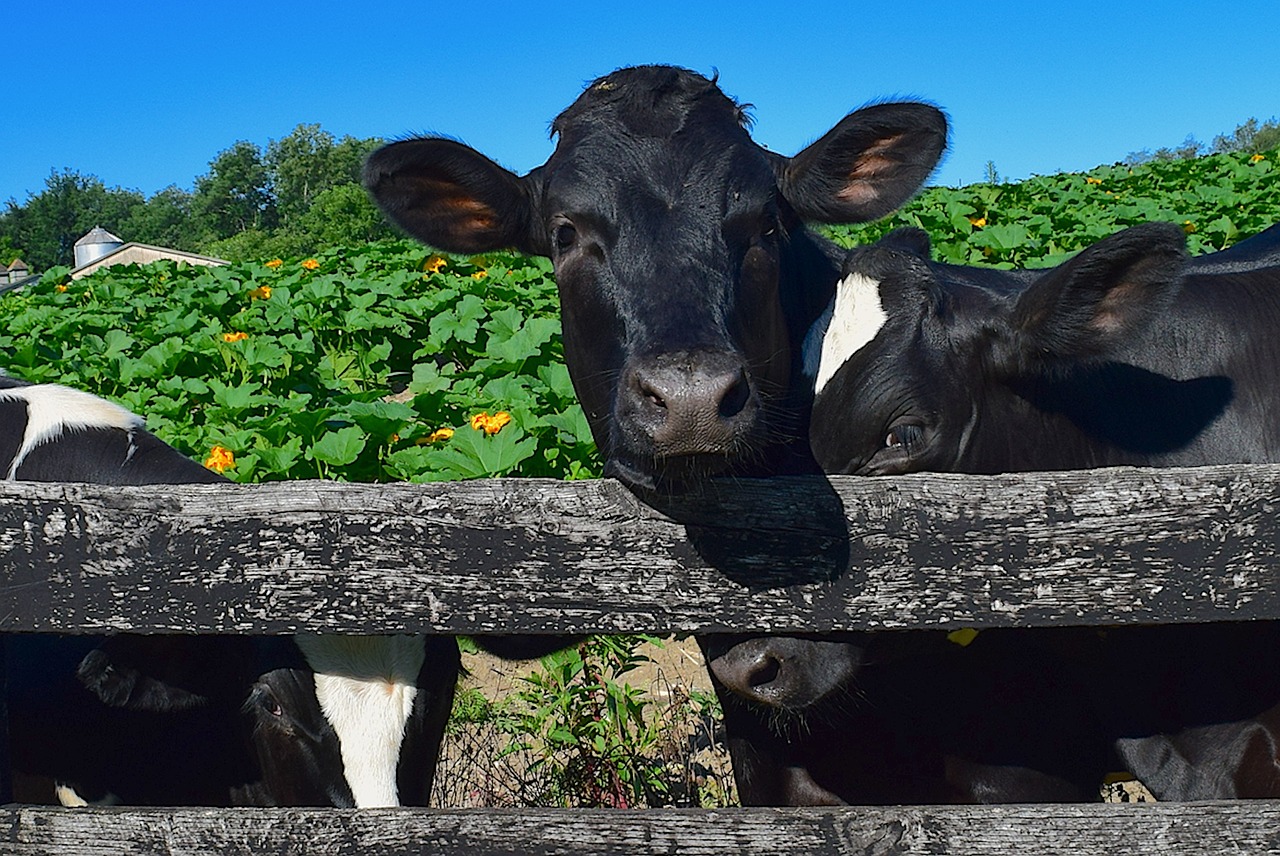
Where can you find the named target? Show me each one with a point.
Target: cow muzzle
(689, 404)
(786, 673)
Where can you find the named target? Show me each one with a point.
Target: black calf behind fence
(784, 555)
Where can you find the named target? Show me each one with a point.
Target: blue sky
(144, 94)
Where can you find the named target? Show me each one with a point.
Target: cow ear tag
(963, 636)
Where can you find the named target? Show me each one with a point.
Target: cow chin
(672, 475)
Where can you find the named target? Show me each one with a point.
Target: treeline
(1250, 137)
(297, 196)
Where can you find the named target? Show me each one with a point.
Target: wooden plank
(6, 784)
(1165, 829)
(781, 555)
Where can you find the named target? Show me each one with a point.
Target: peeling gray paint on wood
(779, 555)
(1166, 829)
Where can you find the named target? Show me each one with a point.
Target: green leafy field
(343, 366)
(388, 362)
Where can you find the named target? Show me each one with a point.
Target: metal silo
(95, 245)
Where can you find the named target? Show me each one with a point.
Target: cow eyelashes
(565, 236)
(906, 437)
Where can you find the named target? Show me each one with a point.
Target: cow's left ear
(867, 166)
(1102, 297)
(451, 197)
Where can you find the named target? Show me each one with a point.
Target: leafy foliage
(344, 366)
(595, 740)
(1039, 222)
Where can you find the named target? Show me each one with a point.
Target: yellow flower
(262, 292)
(275, 263)
(963, 636)
(220, 459)
(1090, 180)
(60, 288)
(311, 264)
(438, 435)
(490, 424)
(434, 263)
(1257, 158)
(978, 222)
(234, 337)
(1188, 226)
(479, 275)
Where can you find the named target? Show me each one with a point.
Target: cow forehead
(850, 322)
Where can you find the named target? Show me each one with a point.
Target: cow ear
(867, 166)
(451, 197)
(1102, 297)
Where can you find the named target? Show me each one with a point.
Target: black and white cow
(1125, 355)
(384, 700)
(687, 278)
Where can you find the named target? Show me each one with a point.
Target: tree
(1249, 137)
(49, 224)
(235, 195)
(165, 220)
(343, 215)
(308, 162)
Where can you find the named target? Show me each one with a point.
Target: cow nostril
(652, 395)
(765, 673)
(735, 396)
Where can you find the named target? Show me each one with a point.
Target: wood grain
(1164, 829)
(780, 555)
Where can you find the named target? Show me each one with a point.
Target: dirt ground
(472, 774)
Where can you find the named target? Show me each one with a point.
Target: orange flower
(479, 275)
(1090, 180)
(60, 288)
(220, 459)
(433, 264)
(1257, 158)
(978, 222)
(490, 424)
(234, 337)
(275, 263)
(262, 292)
(438, 435)
(311, 264)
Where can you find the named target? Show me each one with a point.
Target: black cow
(911, 717)
(686, 275)
(1126, 354)
(687, 278)
(159, 719)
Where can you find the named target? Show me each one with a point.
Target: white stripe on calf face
(852, 320)
(366, 686)
(54, 409)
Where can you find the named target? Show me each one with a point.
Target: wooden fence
(782, 555)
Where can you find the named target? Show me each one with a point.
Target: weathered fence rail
(783, 555)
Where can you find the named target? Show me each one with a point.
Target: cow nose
(690, 407)
(752, 671)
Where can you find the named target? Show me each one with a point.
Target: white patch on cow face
(54, 409)
(852, 320)
(366, 686)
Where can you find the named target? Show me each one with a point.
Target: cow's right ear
(1098, 300)
(867, 166)
(451, 197)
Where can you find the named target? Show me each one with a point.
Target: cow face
(683, 267)
(920, 366)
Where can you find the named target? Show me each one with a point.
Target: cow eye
(565, 235)
(905, 437)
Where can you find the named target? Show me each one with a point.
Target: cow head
(785, 673)
(920, 366)
(679, 250)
